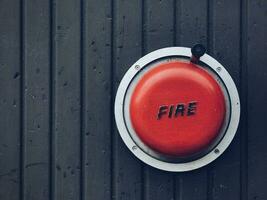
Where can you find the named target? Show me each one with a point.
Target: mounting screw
(137, 67)
(134, 147)
(216, 151)
(197, 51)
(219, 69)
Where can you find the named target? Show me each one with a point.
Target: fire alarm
(177, 109)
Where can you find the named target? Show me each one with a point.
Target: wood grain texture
(127, 32)
(66, 134)
(225, 25)
(257, 96)
(10, 100)
(97, 99)
(36, 86)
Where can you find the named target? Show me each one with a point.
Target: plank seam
(52, 100)
(143, 51)
(174, 44)
(143, 21)
(210, 49)
(112, 138)
(174, 22)
(244, 93)
(22, 99)
(82, 100)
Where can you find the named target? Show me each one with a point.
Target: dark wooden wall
(60, 66)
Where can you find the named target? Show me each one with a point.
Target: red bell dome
(177, 108)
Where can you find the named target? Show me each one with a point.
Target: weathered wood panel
(256, 98)
(225, 20)
(127, 47)
(10, 100)
(66, 82)
(97, 88)
(36, 95)
(60, 66)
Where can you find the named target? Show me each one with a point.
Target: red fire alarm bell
(177, 109)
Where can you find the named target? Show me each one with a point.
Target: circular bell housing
(177, 109)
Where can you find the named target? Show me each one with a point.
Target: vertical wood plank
(191, 28)
(192, 22)
(225, 17)
(98, 86)
(158, 24)
(257, 97)
(158, 33)
(66, 144)
(10, 102)
(127, 38)
(36, 112)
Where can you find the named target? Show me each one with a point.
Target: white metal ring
(163, 164)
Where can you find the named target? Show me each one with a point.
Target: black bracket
(197, 51)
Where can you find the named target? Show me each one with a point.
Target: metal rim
(162, 164)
